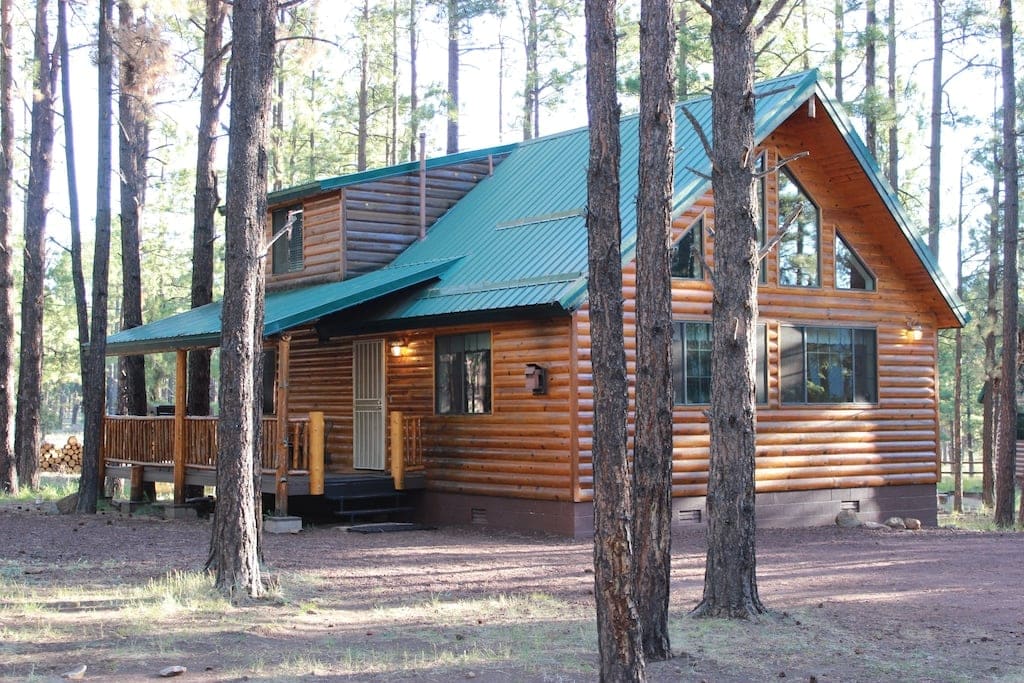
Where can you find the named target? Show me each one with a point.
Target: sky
(973, 94)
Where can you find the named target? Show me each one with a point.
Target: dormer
(346, 226)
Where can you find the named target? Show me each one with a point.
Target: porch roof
(200, 327)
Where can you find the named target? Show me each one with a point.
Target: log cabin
(427, 326)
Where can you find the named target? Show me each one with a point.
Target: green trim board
(200, 327)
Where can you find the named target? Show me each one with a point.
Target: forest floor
(126, 597)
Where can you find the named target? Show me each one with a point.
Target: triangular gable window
(851, 273)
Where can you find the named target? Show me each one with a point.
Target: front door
(368, 404)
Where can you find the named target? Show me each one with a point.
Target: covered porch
(295, 458)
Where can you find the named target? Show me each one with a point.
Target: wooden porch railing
(147, 439)
(406, 446)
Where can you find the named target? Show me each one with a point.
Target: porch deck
(183, 451)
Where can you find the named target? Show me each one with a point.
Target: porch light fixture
(914, 330)
(396, 347)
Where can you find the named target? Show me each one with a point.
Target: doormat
(385, 527)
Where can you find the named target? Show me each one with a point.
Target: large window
(688, 253)
(829, 365)
(762, 215)
(851, 273)
(691, 363)
(799, 265)
(287, 255)
(462, 379)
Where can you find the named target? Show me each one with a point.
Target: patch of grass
(52, 486)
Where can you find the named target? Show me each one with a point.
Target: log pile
(66, 460)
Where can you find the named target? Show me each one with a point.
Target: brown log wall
(380, 218)
(523, 448)
(812, 446)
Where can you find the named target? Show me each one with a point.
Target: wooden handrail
(150, 439)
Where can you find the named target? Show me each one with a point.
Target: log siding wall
(363, 227)
(804, 447)
(522, 449)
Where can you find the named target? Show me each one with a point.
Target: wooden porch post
(316, 453)
(180, 387)
(397, 450)
(281, 405)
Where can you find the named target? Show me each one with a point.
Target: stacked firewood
(66, 459)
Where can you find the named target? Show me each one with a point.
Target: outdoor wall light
(536, 378)
(397, 346)
(914, 330)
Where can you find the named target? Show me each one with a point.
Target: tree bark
(207, 198)
(30, 376)
(453, 76)
(1006, 436)
(894, 140)
(363, 98)
(8, 466)
(234, 544)
(77, 273)
(870, 72)
(530, 41)
(988, 480)
(956, 433)
(414, 121)
(839, 48)
(133, 147)
(652, 444)
(935, 156)
(618, 625)
(730, 581)
(94, 389)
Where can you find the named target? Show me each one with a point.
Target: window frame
(463, 400)
(694, 232)
(287, 253)
(867, 273)
(791, 177)
(870, 375)
(760, 164)
(680, 376)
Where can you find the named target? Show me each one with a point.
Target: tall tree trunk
(618, 623)
(958, 374)
(30, 376)
(682, 55)
(453, 76)
(414, 120)
(207, 198)
(234, 543)
(988, 435)
(363, 123)
(133, 147)
(730, 579)
(894, 140)
(870, 72)
(839, 47)
(530, 40)
(393, 153)
(935, 157)
(652, 444)
(8, 466)
(94, 389)
(1006, 436)
(77, 272)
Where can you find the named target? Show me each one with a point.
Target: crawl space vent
(852, 505)
(689, 516)
(478, 516)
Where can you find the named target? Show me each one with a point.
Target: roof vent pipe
(423, 186)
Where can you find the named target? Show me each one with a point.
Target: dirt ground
(466, 603)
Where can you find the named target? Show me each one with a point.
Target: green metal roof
(518, 239)
(200, 327)
(522, 235)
